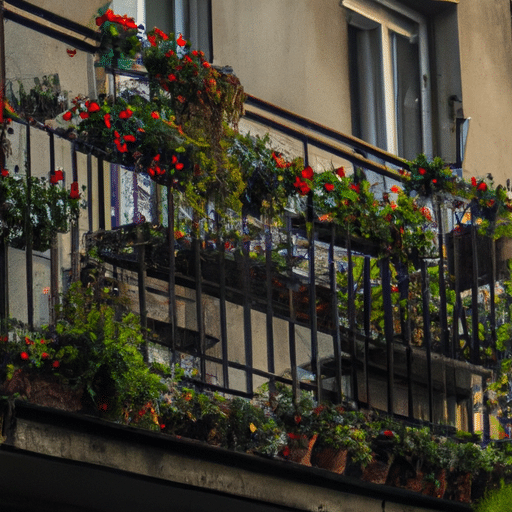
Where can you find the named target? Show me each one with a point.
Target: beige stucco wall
(292, 53)
(486, 70)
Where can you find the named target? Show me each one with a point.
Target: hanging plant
(51, 210)
(118, 39)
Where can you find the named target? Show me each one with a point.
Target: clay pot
(301, 451)
(331, 459)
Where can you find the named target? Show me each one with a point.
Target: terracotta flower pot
(332, 460)
(301, 451)
(377, 470)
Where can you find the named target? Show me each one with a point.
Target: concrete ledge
(200, 471)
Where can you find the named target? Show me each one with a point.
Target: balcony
(238, 302)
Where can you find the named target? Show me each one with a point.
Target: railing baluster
(222, 309)
(367, 313)
(457, 309)
(141, 282)
(270, 312)
(388, 330)
(172, 274)
(54, 250)
(475, 349)
(315, 359)
(28, 236)
(291, 323)
(101, 194)
(75, 237)
(89, 193)
(427, 337)
(442, 284)
(246, 244)
(336, 338)
(492, 289)
(199, 298)
(352, 322)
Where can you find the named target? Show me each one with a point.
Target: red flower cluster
(281, 163)
(115, 18)
(329, 187)
(422, 171)
(56, 176)
(5, 173)
(74, 193)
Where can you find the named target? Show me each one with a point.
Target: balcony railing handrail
(353, 142)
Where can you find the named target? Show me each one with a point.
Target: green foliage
(100, 347)
(496, 501)
(265, 173)
(429, 176)
(51, 210)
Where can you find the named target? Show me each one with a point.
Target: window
(190, 17)
(390, 85)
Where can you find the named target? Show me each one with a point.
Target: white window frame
(390, 14)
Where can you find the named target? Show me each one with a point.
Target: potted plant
(296, 418)
(340, 436)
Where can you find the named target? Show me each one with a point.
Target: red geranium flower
(129, 138)
(122, 148)
(286, 451)
(5, 173)
(106, 118)
(329, 187)
(308, 173)
(434, 181)
(172, 77)
(389, 433)
(28, 341)
(44, 355)
(162, 426)
(156, 158)
(291, 435)
(482, 187)
(93, 107)
(473, 181)
(179, 166)
(422, 171)
(24, 356)
(67, 116)
(356, 188)
(84, 115)
(205, 64)
(155, 115)
(340, 171)
(152, 40)
(56, 176)
(74, 193)
(395, 189)
(181, 42)
(125, 114)
(55, 364)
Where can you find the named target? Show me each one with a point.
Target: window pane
(407, 96)
(368, 118)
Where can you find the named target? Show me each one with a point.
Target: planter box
(44, 390)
